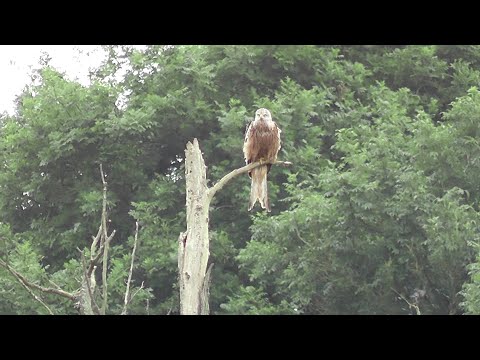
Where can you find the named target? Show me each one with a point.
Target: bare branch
(51, 282)
(410, 305)
(300, 237)
(220, 184)
(94, 243)
(105, 242)
(136, 292)
(103, 175)
(94, 262)
(34, 295)
(111, 235)
(104, 205)
(297, 232)
(26, 285)
(91, 302)
(104, 279)
(127, 300)
(104, 275)
(30, 284)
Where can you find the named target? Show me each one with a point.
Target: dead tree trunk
(193, 245)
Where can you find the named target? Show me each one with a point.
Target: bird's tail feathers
(259, 189)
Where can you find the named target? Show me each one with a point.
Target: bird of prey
(262, 143)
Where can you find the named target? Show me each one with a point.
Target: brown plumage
(262, 143)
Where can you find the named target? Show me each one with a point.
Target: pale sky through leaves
(17, 61)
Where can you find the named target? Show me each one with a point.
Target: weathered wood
(85, 300)
(234, 173)
(205, 294)
(194, 247)
(129, 280)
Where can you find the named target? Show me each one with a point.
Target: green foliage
(381, 201)
(251, 301)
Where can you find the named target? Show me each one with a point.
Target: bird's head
(263, 114)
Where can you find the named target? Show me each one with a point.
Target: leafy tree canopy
(377, 215)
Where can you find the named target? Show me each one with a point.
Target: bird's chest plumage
(263, 134)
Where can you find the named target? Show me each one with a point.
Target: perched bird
(262, 143)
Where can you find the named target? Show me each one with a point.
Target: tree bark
(194, 244)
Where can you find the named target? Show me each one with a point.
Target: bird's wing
(279, 131)
(246, 143)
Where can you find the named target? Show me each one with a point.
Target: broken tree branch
(127, 293)
(300, 237)
(104, 242)
(93, 248)
(88, 304)
(28, 283)
(94, 262)
(25, 284)
(37, 298)
(136, 292)
(410, 305)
